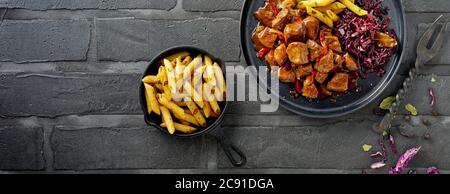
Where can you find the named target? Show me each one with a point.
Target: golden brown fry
(176, 55)
(316, 3)
(210, 98)
(150, 79)
(185, 122)
(167, 118)
(354, 8)
(221, 90)
(186, 60)
(176, 110)
(151, 99)
(207, 109)
(187, 74)
(320, 16)
(159, 87)
(188, 117)
(194, 94)
(195, 111)
(165, 83)
(332, 16)
(170, 72)
(333, 7)
(180, 103)
(181, 127)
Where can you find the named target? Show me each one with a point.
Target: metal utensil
(424, 54)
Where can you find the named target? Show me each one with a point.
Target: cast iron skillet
(371, 87)
(237, 158)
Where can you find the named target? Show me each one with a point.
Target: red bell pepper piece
(263, 52)
(314, 73)
(273, 6)
(298, 86)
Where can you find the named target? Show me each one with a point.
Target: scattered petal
(392, 144)
(367, 147)
(385, 133)
(432, 170)
(433, 78)
(433, 97)
(412, 171)
(376, 154)
(411, 109)
(387, 102)
(404, 160)
(378, 165)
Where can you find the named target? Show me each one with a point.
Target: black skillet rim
(142, 100)
(352, 107)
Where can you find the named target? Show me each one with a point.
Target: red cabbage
(358, 36)
(404, 160)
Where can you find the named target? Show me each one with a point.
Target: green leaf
(387, 102)
(433, 78)
(367, 147)
(411, 109)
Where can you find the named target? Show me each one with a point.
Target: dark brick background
(69, 71)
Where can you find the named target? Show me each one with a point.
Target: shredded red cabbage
(358, 36)
(432, 170)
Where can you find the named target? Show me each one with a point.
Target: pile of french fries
(185, 92)
(327, 10)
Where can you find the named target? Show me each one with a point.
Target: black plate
(371, 87)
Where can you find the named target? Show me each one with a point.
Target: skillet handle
(234, 154)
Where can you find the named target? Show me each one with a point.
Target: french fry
(165, 83)
(180, 103)
(194, 94)
(338, 11)
(221, 90)
(317, 3)
(333, 7)
(320, 16)
(176, 110)
(151, 99)
(176, 55)
(181, 127)
(170, 72)
(207, 109)
(185, 123)
(208, 76)
(159, 87)
(186, 60)
(167, 118)
(188, 117)
(179, 69)
(187, 74)
(210, 98)
(150, 79)
(197, 79)
(195, 111)
(332, 16)
(357, 10)
(147, 99)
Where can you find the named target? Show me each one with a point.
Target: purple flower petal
(378, 165)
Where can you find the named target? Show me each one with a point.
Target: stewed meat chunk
(326, 63)
(286, 75)
(267, 38)
(270, 58)
(350, 63)
(315, 50)
(303, 71)
(321, 77)
(339, 83)
(338, 61)
(333, 43)
(255, 39)
(309, 89)
(281, 55)
(295, 32)
(280, 21)
(312, 27)
(265, 15)
(298, 53)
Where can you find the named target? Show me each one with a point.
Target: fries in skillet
(186, 92)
